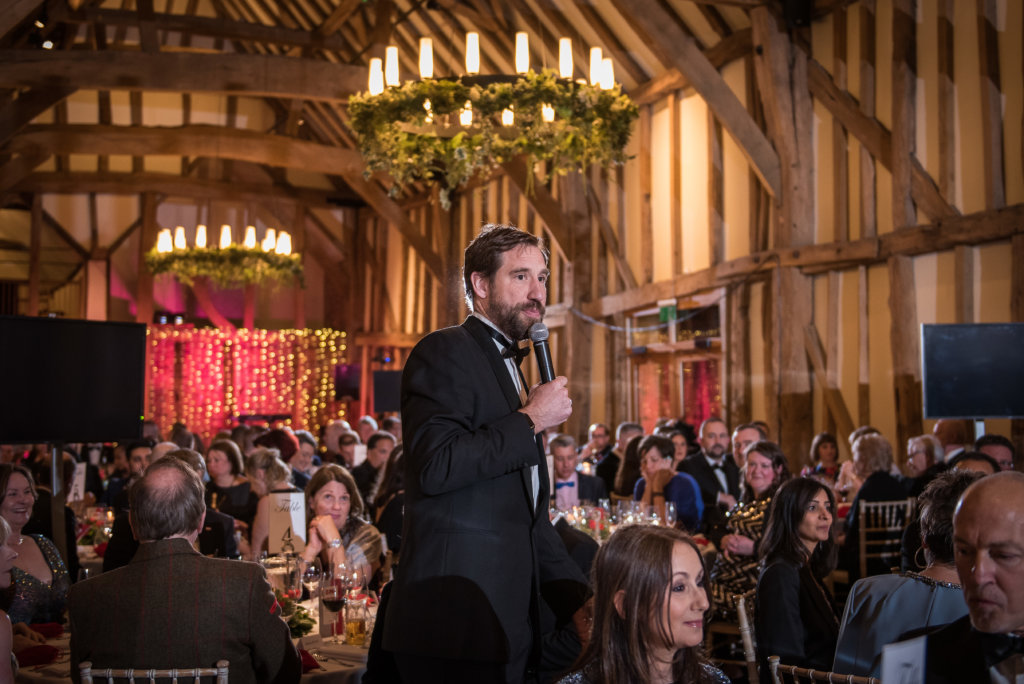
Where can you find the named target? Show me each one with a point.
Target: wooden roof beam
(723, 52)
(17, 12)
(250, 75)
(661, 30)
(338, 17)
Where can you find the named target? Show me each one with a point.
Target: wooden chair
(881, 527)
(131, 674)
(783, 674)
(745, 608)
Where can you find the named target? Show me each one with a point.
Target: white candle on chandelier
(201, 236)
(547, 113)
(250, 237)
(284, 243)
(466, 115)
(595, 65)
(163, 241)
(565, 57)
(269, 240)
(522, 52)
(391, 76)
(376, 80)
(607, 74)
(179, 238)
(426, 58)
(472, 53)
(225, 236)
(507, 117)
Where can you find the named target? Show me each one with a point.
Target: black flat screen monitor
(973, 370)
(71, 381)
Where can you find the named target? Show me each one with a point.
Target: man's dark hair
(390, 423)
(995, 440)
(628, 427)
(306, 437)
(752, 426)
(190, 457)
(974, 456)
(138, 444)
(484, 253)
(166, 501)
(936, 505)
(372, 440)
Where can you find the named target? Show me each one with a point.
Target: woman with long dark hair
(650, 603)
(795, 617)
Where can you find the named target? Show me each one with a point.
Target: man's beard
(716, 451)
(509, 320)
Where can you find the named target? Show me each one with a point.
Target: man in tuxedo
(572, 486)
(742, 437)
(988, 547)
(479, 551)
(715, 472)
(609, 465)
(172, 607)
(378, 447)
(599, 444)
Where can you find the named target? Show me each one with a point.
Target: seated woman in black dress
(228, 490)
(795, 616)
(650, 603)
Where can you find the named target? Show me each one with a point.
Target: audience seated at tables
(988, 533)
(872, 458)
(715, 472)
(824, 460)
(661, 484)
(650, 604)
(881, 608)
(923, 463)
(287, 445)
(337, 531)
(628, 472)
(172, 607)
(389, 506)
(216, 539)
(795, 618)
(999, 448)
(228, 490)
(571, 487)
(40, 579)
(378, 448)
(609, 466)
(736, 566)
(267, 475)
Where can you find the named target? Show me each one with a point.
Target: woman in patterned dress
(736, 569)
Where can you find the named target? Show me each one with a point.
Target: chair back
(791, 674)
(881, 528)
(745, 610)
(174, 675)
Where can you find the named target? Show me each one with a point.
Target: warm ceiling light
(565, 57)
(391, 77)
(426, 58)
(376, 80)
(522, 52)
(472, 53)
(595, 65)
(201, 236)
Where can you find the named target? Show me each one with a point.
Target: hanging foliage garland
(411, 131)
(231, 266)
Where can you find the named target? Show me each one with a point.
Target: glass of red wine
(335, 584)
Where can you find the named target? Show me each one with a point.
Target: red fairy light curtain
(208, 377)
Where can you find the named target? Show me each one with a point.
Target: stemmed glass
(335, 585)
(311, 572)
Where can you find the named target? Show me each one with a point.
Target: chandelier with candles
(229, 264)
(449, 129)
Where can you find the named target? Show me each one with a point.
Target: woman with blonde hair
(267, 474)
(650, 603)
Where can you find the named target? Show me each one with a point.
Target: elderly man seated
(988, 546)
(174, 608)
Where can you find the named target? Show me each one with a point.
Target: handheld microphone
(539, 335)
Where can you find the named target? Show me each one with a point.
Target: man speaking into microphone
(478, 551)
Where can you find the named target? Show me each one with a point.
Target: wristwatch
(334, 544)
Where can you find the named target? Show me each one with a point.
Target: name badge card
(287, 522)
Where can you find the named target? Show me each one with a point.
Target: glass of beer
(355, 622)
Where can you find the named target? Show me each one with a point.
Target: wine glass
(311, 572)
(335, 585)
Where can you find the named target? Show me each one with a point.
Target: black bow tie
(999, 647)
(510, 350)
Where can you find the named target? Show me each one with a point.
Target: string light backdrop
(208, 377)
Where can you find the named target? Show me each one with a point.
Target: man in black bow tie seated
(571, 486)
(988, 546)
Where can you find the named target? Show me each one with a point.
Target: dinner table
(336, 663)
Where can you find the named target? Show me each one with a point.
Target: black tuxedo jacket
(953, 654)
(696, 466)
(476, 547)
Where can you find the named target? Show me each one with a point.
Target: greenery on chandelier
(231, 266)
(396, 136)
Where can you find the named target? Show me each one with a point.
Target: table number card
(287, 522)
(77, 489)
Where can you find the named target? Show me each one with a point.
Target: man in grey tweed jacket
(173, 607)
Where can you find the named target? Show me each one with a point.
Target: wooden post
(991, 104)
(299, 247)
(1017, 316)
(35, 246)
(737, 355)
(906, 349)
(147, 238)
(869, 207)
(904, 82)
(579, 333)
